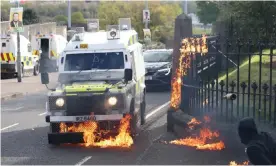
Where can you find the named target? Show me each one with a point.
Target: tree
(208, 11)
(5, 11)
(30, 17)
(162, 16)
(61, 19)
(192, 7)
(77, 17)
(252, 19)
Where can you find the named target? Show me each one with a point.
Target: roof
(99, 41)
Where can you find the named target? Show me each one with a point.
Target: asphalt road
(24, 140)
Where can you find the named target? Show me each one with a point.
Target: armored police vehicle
(101, 78)
(8, 47)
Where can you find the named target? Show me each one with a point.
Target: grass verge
(261, 102)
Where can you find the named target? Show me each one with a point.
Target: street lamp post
(18, 59)
(69, 14)
(146, 21)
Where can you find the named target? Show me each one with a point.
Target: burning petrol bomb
(89, 129)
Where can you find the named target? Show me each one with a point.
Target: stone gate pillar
(183, 29)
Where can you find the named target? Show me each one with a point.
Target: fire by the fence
(205, 140)
(193, 123)
(190, 46)
(233, 163)
(123, 139)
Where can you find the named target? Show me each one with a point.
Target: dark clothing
(261, 150)
(260, 147)
(19, 24)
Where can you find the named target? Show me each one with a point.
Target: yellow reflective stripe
(7, 57)
(79, 89)
(138, 84)
(53, 53)
(27, 60)
(35, 52)
(71, 94)
(88, 88)
(11, 57)
(132, 40)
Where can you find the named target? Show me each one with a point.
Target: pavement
(24, 139)
(10, 88)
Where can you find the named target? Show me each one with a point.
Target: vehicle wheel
(133, 121)
(143, 110)
(53, 128)
(36, 70)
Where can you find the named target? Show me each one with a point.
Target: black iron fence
(244, 68)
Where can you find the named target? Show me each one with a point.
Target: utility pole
(146, 22)
(69, 14)
(18, 59)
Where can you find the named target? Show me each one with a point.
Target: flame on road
(205, 140)
(189, 47)
(233, 163)
(193, 123)
(123, 139)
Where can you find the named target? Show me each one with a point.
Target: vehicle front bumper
(8, 68)
(77, 137)
(58, 119)
(152, 80)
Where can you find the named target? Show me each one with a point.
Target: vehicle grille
(84, 105)
(150, 73)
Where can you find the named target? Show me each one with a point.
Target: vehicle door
(134, 60)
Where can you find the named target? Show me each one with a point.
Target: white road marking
(9, 126)
(157, 109)
(13, 109)
(42, 114)
(84, 160)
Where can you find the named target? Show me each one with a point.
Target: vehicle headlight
(112, 101)
(60, 102)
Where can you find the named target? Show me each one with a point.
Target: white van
(29, 62)
(49, 46)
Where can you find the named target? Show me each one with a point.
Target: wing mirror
(128, 75)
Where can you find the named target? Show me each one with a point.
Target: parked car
(158, 64)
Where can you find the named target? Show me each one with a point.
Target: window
(29, 48)
(3, 44)
(158, 56)
(89, 61)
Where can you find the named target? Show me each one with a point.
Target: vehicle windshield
(158, 56)
(90, 61)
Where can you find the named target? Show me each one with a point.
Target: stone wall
(30, 30)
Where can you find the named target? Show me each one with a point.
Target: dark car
(158, 65)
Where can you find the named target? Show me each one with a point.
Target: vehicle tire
(36, 70)
(133, 121)
(143, 110)
(54, 127)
